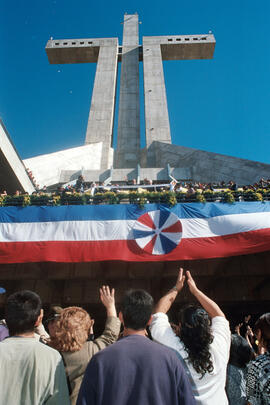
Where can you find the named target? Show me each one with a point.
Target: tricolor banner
(83, 233)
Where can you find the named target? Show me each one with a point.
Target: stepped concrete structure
(96, 160)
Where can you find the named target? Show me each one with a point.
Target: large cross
(107, 53)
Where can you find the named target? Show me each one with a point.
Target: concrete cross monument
(107, 53)
(96, 160)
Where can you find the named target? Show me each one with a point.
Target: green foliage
(228, 197)
(200, 198)
(258, 196)
(180, 196)
(21, 200)
(251, 195)
(56, 199)
(134, 197)
(72, 199)
(170, 198)
(44, 199)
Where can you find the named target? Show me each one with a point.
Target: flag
(83, 233)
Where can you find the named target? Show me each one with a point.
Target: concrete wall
(156, 49)
(83, 50)
(13, 174)
(128, 137)
(177, 47)
(47, 168)
(157, 125)
(101, 116)
(208, 166)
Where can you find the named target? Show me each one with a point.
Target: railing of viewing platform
(139, 195)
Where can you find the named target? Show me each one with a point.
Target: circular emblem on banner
(158, 232)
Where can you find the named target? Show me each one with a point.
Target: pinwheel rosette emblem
(158, 232)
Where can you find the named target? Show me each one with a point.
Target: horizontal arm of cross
(84, 50)
(176, 47)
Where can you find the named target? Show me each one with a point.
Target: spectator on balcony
(190, 190)
(79, 186)
(172, 185)
(93, 188)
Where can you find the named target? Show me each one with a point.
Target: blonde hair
(71, 330)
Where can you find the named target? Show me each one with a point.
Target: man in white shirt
(31, 373)
(203, 341)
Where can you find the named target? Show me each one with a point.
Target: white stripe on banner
(225, 224)
(122, 229)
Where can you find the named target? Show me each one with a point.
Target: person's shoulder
(260, 361)
(220, 321)
(111, 348)
(220, 326)
(47, 350)
(163, 350)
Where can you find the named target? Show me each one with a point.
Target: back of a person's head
(240, 353)
(72, 329)
(263, 324)
(196, 334)
(22, 311)
(136, 308)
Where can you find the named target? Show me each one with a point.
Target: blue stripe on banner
(125, 212)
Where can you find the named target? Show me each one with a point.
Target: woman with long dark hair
(202, 342)
(258, 376)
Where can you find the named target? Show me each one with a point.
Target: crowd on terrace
(83, 192)
(149, 361)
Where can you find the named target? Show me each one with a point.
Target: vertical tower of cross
(128, 135)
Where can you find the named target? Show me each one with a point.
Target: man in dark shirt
(135, 370)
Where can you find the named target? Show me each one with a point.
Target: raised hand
(209, 305)
(180, 280)
(191, 283)
(107, 296)
(107, 299)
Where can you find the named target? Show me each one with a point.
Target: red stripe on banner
(128, 250)
(147, 220)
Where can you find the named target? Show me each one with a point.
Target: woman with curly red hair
(70, 338)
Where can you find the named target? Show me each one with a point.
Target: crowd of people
(150, 361)
(173, 185)
(95, 190)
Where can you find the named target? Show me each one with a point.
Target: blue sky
(221, 105)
